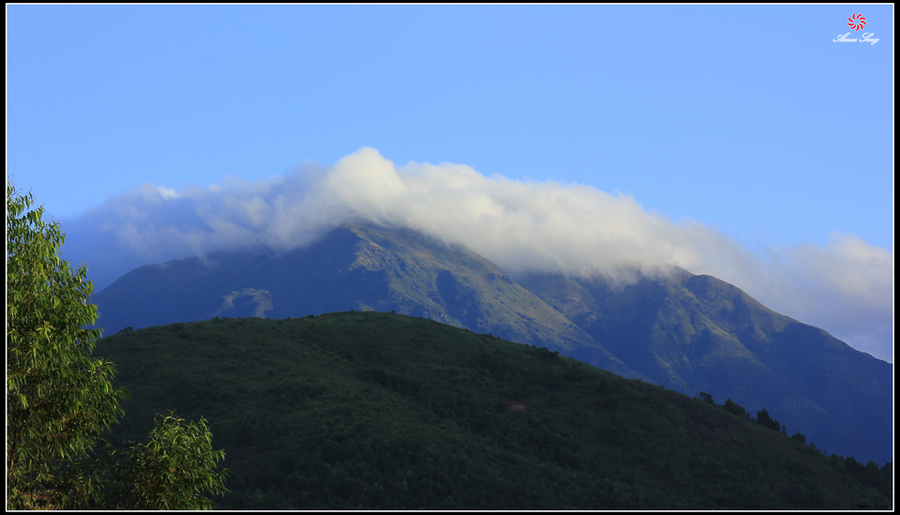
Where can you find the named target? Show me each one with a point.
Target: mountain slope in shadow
(696, 333)
(370, 410)
(686, 332)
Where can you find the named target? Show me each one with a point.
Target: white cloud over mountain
(845, 287)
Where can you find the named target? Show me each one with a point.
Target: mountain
(365, 410)
(696, 333)
(686, 332)
(362, 267)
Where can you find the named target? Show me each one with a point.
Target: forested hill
(686, 332)
(372, 410)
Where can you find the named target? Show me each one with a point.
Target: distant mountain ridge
(697, 333)
(687, 332)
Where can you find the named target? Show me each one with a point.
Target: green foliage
(59, 397)
(870, 475)
(697, 333)
(171, 472)
(687, 332)
(763, 418)
(378, 411)
(887, 472)
(735, 408)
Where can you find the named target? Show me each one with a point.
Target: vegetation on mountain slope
(697, 333)
(365, 410)
(59, 398)
(686, 332)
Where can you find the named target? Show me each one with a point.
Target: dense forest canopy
(365, 410)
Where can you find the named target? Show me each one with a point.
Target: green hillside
(696, 333)
(383, 411)
(359, 266)
(686, 332)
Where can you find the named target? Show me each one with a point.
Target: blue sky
(750, 121)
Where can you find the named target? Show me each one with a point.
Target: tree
(887, 472)
(735, 408)
(169, 472)
(763, 418)
(60, 398)
(708, 398)
(800, 437)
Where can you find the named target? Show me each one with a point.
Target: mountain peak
(688, 332)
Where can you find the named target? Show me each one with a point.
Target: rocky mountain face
(687, 332)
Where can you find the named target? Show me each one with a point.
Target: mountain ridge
(687, 332)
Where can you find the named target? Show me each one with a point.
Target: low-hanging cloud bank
(845, 287)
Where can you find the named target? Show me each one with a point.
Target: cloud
(845, 287)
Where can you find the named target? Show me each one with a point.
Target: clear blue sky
(747, 117)
(750, 120)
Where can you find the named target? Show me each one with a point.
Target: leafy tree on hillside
(708, 398)
(887, 472)
(763, 418)
(59, 398)
(735, 408)
(800, 437)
